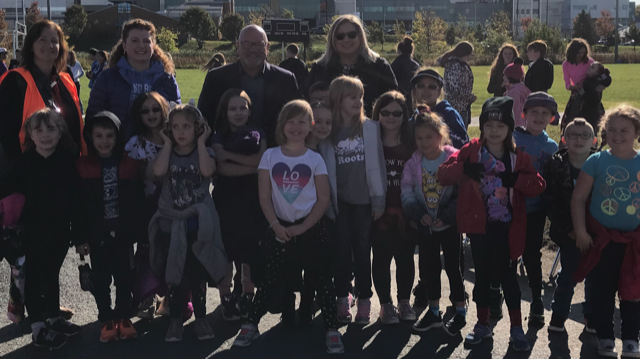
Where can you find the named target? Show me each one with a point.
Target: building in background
(549, 12)
(571, 9)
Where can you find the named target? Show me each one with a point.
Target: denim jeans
(569, 257)
(354, 249)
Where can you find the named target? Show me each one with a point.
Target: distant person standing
(15, 62)
(295, 65)
(3, 60)
(93, 56)
(76, 71)
(217, 60)
(458, 79)
(405, 67)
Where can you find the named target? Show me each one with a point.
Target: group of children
(338, 186)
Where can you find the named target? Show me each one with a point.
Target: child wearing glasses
(561, 174)
(427, 90)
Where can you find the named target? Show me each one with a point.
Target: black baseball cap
(427, 73)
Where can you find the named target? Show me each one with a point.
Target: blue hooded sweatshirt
(457, 130)
(117, 88)
(540, 148)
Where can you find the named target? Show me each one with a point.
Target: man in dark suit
(268, 86)
(295, 65)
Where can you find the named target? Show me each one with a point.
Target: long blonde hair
(364, 51)
(340, 87)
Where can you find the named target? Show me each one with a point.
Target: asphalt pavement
(372, 341)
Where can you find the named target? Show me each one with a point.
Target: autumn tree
(500, 23)
(428, 28)
(75, 19)
(525, 22)
(166, 39)
(327, 27)
(33, 14)
(539, 31)
(231, 25)
(461, 28)
(287, 14)
(604, 24)
(637, 10)
(6, 40)
(399, 30)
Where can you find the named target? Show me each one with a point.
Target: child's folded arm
(529, 182)
(553, 197)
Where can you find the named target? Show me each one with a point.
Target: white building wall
(571, 9)
(344, 7)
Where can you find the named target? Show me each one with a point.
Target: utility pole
(49, 9)
(617, 32)
(546, 19)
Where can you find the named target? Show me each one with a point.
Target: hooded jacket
(540, 148)
(457, 130)
(472, 216)
(112, 91)
(557, 196)
(519, 93)
(414, 203)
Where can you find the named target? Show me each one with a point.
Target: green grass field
(626, 78)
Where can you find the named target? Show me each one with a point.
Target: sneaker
(244, 304)
(420, 299)
(478, 334)
(66, 313)
(407, 314)
(64, 326)
(388, 314)
(588, 326)
(518, 340)
(607, 348)
(126, 329)
(428, 321)
(229, 310)
(248, 333)
(203, 330)
(334, 342)
(630, 349)
(455, 324)
(49, 339)
(557, 324)
(109, 332)
(495, 305)
(363, 317)
(15, 312)
(147, 309)
(174, 334)
(536, 313)
(344, 309)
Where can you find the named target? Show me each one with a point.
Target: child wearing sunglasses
(427, 90)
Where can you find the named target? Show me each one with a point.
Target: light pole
(49, 9)
(617, 33)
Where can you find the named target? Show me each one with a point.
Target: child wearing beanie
(516, 89)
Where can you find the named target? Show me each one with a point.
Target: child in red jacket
(494, 178)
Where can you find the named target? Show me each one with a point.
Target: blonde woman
(348, 53)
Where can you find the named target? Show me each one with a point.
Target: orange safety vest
(33, 100)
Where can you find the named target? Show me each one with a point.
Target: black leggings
(451, 243)
(195, 279)
(43, 261)
(388, 245)
(532, 257)
(279, 257)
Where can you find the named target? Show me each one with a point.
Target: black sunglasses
(431, 86)
(146, 111)
(574, 136)
(341, 35)
(386, 113)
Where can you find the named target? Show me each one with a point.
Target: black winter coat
(495, 81)
(540, 76)
(377, 78)
(404, 67)
(88, 224)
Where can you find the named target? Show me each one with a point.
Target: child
(574, 69)
(294, 194)
(540, 74)
(107, 220)
(319, 92)
(608, 234)
(561, 174)
(322, 124)
(433, 207)
(238, 149)
(427, 90)
(45, 175)
(493, 179)
(508, 52)
(539, 109)
(357, 169)
(513, 76)
(184, 234)
(598, 78)
(392, 236)
(96, 68)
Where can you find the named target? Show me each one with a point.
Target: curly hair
(48, 117)
(625, 111)
(498, 63)
(158, 53)
(572, 51)
(191, 114)
(28, 56)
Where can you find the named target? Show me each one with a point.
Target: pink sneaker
(15, 312)
(364, 311)
(344, 309)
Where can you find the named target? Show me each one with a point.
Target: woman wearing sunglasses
(458, 79)
(137, 65)
(349, 54)
(427, 90)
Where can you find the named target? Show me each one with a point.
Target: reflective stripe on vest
(33, 100)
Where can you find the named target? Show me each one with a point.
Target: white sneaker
(248, 333)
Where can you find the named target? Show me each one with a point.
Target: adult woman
(76, 72)
(458, 79)
(574, 69)
(404, 67)
(39, 82)
(507, 53)
(348, 53)
(137, 65)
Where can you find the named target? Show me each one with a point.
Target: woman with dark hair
(137, 65)
(507, 54)
(574, 69)
(404, 67)
(40, 82)
(348, 53)
(458, 79)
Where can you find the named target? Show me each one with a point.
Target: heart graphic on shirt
(290, 182)
(393, 173)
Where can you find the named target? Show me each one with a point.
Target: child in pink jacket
(516, 89)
